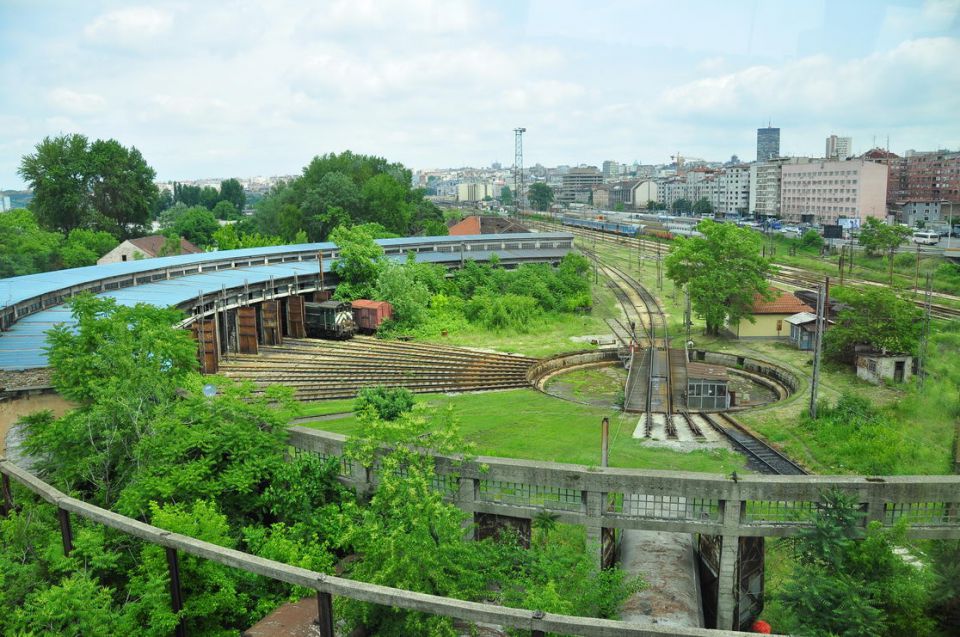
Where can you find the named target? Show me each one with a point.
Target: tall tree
(723, 270)
(25, 248)
(77, 184)
(540, 196)
(59, 175)
(122, 188)
(873, 316)
(232, 191)
(506, 196)
(682, 205)
(703, 207)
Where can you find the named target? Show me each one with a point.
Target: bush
(388, 403)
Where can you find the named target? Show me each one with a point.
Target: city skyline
(437, 85)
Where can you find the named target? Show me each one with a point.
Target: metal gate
(295, 317)
(270, 322)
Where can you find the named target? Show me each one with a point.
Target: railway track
(760, 455)
(655, 374)
(321, 370)
(788, 275)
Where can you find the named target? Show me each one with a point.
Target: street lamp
(950, 231)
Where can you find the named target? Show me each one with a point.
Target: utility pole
(817, 351)
(916, 275)
(518, 168)
(605, 442)
(688, 319)
(925, 334)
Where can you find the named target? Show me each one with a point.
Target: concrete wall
(543, 370)
(882, 368)
(766, 369)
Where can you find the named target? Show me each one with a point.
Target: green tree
(540, 196)
(848, 582)
(682, 206)
(811, 239)
(186, 194)
(209, 196)
(225, 210)
(25, 248)
(196, 224)
(723, 270)
(506, 196)
(78, 184)
(873, 316)
(945, 590)
(359, 264)
(703, 207)
(878, 237)
(76, 606)
(121, 186)
(59, 175)
(388, 403)
(164, 201)
(84, 247)
(232, 191)
(385, 202)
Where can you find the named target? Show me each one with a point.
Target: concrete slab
(666, 562)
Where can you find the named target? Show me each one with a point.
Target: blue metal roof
(21, 288)
(22, 346)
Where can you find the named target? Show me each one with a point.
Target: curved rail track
(760, 455)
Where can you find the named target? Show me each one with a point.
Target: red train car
(369, 315)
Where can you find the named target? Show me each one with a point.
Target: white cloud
(69, 101)
(916, 78)
(131, 26)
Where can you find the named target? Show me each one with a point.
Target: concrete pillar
(728, 585)
(593, 502)
(466, 499)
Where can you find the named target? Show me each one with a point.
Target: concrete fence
(326, 585)
(544, 369)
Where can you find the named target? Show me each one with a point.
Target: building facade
(825, 191)
(768, 143)
(839, 148)
(577, 185)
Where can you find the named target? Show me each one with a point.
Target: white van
(926, 238)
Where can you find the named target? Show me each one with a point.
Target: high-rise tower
(768, 143)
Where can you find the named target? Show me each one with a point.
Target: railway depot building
(770, 318)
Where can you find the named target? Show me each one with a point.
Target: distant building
(768, 143)
(601, 196)
(927, 176)
(839, 147)
(823, 192)
(765, 182)
(484, 224)
(577, 185)
(145, 248)
(476, 192)
(611, 169)
(913, 213)
(803, 329)
(5, 203)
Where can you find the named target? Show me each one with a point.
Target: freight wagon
(330, 319)
(369, 315)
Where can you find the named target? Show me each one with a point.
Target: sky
(218, 89)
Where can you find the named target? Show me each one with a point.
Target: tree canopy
(345, 189)
(873, 316)
(878, 237)
(723, 271)
(540, 195)
(99, 185)
(26, 248)
(703, 207)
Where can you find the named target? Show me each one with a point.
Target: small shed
(803, 329)
(875, 367)
(707, 387)
(769, 317)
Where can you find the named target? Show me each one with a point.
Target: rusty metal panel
(205, 333)
(270, 320)
(247, 330)
(295, 317)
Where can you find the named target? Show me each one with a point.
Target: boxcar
(369, 315)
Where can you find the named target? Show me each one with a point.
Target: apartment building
(577, 184)
(825, 191)
(839, 148)
(765, 177)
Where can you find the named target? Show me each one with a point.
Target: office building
(768, 143)
(577, 184)
(824, 191)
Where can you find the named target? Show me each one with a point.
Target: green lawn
(524, 423)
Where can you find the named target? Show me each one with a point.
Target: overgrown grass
(527, 424)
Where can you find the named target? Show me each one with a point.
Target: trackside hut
(770, 317)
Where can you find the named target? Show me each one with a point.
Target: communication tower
(518, 169)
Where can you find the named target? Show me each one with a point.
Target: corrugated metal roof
(22, 346)
(20, 288)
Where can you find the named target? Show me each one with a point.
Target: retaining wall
(755, 365)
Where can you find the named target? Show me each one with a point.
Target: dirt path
(12, 411)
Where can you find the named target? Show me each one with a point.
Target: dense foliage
(26, 248)
(100, 185)
(851, 582)
(540, 196)
(876, 317)
(427, 302)
(723, 271)
(343, 190)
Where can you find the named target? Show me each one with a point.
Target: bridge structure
(233, 299)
